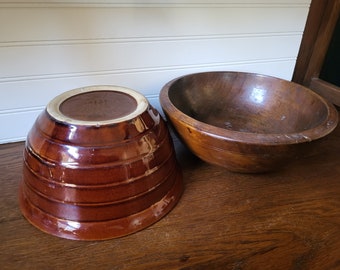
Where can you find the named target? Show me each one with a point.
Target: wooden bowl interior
(248, 102)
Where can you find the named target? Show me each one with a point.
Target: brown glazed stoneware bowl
(99, 163)
(246, 122)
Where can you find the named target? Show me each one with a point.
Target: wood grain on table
(288, 219)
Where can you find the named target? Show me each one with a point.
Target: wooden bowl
(246, 122)
(98, 163)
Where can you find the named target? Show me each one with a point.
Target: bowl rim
(53, 107)
(308, 135)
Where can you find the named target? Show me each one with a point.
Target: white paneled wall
(48, 47)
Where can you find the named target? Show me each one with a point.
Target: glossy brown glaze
(87, 176)
(246, 122)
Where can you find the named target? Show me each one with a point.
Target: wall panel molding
(104, 57)
(143, 82)
(52, 46)
(134, 71)
(32, 43)
(68, 24)
(155, 4)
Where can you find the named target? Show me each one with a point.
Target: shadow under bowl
(246, 122)
(99, 163)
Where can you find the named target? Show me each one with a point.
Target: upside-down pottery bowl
(98, 163)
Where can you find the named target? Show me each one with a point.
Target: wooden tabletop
(289, 219)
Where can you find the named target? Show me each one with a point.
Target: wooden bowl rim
(308, 135)
(53, 107)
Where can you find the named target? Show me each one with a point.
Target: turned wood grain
(246, 122)
(289, 219)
